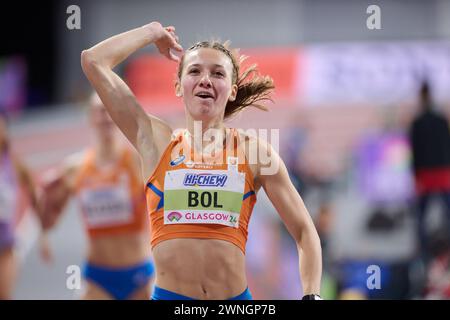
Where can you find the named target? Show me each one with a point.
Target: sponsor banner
(373, 73)
(151, 78)
(226, 218)
(376, 73)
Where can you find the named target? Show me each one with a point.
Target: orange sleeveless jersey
(112, 201)
(206, 200)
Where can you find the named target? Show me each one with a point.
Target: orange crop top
(112, 200)
(212, 198)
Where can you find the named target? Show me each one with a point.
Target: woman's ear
(178, 92)
(234, 90)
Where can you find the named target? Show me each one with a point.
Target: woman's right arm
(148, 134)
(57, 187)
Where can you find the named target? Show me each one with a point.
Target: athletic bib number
(196, 196)
(107, 205)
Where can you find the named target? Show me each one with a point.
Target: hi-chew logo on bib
(205, 179)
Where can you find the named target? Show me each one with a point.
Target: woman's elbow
(308, 233)
(88, 60)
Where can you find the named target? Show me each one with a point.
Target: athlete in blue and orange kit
(107, 184)
(201, 192)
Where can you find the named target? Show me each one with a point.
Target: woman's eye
(219, 74)
(193, 71)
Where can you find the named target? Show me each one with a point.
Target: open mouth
(205, 95)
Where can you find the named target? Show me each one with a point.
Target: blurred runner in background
(107, 183)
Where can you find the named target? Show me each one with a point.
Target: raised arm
(295, 216)
(148, 134)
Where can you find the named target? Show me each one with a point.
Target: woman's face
(100, 119)
(206, 83)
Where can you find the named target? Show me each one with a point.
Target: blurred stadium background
(345, 98)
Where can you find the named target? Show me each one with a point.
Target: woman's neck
(106, 150)
(201, 126)
(206, 134)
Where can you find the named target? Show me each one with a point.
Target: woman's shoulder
(259, 152)
(253, 140)
(74, 163)
(247, 135)
(77, 159)
(178, 133)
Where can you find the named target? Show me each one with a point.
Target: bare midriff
(200, 268)
(122, 250)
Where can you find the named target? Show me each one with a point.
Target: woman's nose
(205, 81)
